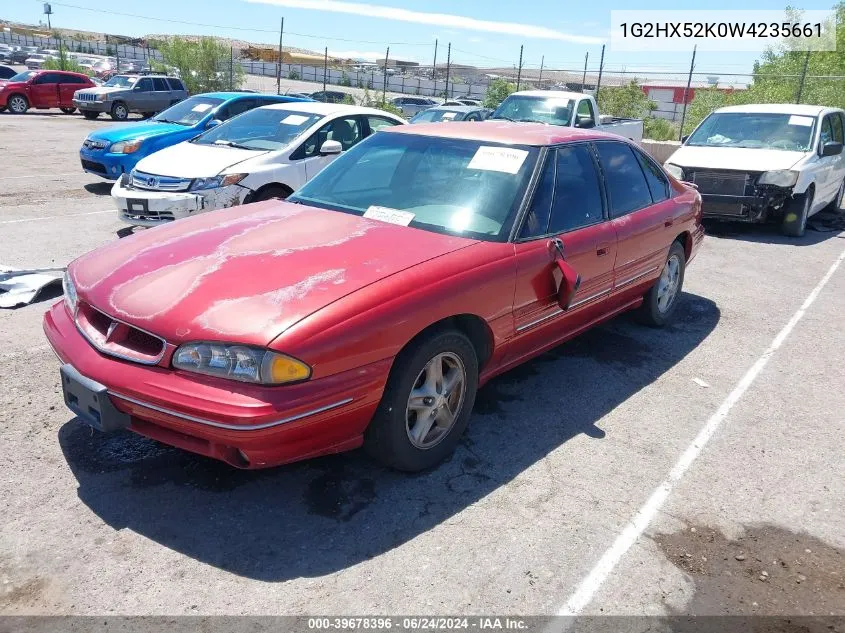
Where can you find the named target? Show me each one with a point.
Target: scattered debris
(700, 382)
(22, 287)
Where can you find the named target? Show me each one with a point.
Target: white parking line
(587, 589)
(56, 217)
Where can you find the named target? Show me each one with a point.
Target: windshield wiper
(231, 144)
(169, 121)
(501, 116)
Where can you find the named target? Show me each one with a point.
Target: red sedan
(370, 306)
(42, 89)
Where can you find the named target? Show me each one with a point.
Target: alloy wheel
(17, 105)
(435, 400)
(667, 285)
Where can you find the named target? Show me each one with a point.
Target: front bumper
(140, 207)
(247, 426)
(105, 164)
(93, 106)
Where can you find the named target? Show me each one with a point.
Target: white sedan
(264, 153)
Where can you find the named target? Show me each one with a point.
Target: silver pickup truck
(567, 109)
(123, 94)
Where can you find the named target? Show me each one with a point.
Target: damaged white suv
(756, 163)
(264, 153)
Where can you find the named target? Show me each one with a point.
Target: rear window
(175, 84)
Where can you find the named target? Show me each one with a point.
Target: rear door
(160, 95)
(641, 212)
(569, 206)
(44, 90)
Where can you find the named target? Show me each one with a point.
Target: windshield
(551, 110)
(266, 129)
(432, 116)
(24, 75)
(453, 186)
(189, 111)
(120, 81)
(747, 129)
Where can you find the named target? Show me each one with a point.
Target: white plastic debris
(22, 287)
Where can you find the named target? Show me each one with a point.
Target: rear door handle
(601, 251)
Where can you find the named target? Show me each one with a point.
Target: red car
(42, 89)
(370, 306)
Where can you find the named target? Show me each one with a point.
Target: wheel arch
(257, 193)
(470, 325)
(685, 240)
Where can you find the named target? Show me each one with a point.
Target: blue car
(111, 152)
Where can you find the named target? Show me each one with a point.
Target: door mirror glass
(831, 148)
(330, 147)
(213, 123)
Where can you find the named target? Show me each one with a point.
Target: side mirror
(684, 138)
(567, 278)
(213, 123)
(584, 121)
(330, 147)
(831, 148)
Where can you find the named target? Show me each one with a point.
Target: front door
(829, 176)
(568, 205)
(44, 90)
(347, 130)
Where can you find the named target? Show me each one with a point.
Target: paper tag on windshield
(392, 216)
(502, 159)
(294, 119)
(201, 107)
(449, 115)
(805, 121)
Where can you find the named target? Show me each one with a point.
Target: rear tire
(795, 214)
(90, 114)
(119, 111)
(444, 364)
(68, 110)
(660, 302)
(17, 104)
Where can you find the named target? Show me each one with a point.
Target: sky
(482, 32)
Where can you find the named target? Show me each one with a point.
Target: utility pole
(325, 68)
(584, 76)
(279, 68)
(601, 68)
(384, 86)
(519, 72)
(448, 67)
(231, 68)
(803, 75)
(686, 91)
(434, 71)
(542, 62)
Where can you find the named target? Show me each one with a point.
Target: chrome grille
(118, 338)
(86, 96)
(723, 183)
(94, 144)
(154, 182)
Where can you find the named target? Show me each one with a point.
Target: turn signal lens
(126, 147)
(278, 369)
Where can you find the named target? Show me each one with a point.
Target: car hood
(247, 274)
(5, 83)
(136, 131)
(190, 160)
(102, 90)
(735, 158)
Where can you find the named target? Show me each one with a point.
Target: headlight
(217, 181)
(69, 289)
(779, 178)
(677, 172)
(126, 147)
(240, 362)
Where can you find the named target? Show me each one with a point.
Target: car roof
(777, 108)
(318, 107)
(495, 131)
(223, 94)
(455, 108)
(557, 94)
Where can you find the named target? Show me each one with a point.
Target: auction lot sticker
(391, 216)
(502, 159)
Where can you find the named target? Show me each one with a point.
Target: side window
(472, 116)
(584, 116)
(377, 122)
(658, 185)
(537, 221)
(626, 183)
(827, 131)
(47, 78)
(836, 120)
(145, 84)
(175, 84)
(160, 85)
(577, 200)
(346, 131)
(236, 108)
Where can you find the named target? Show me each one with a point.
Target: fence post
(686, 91)
(231, 68)
(519, 72)
(803, 75)
(325, 68)
(448, 68)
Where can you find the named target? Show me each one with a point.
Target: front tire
(68, 110)
(660, 302)
(795, 214)
(426, 404)
(119, 111)
(273, 192)
(90, 114)
(17, 104)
